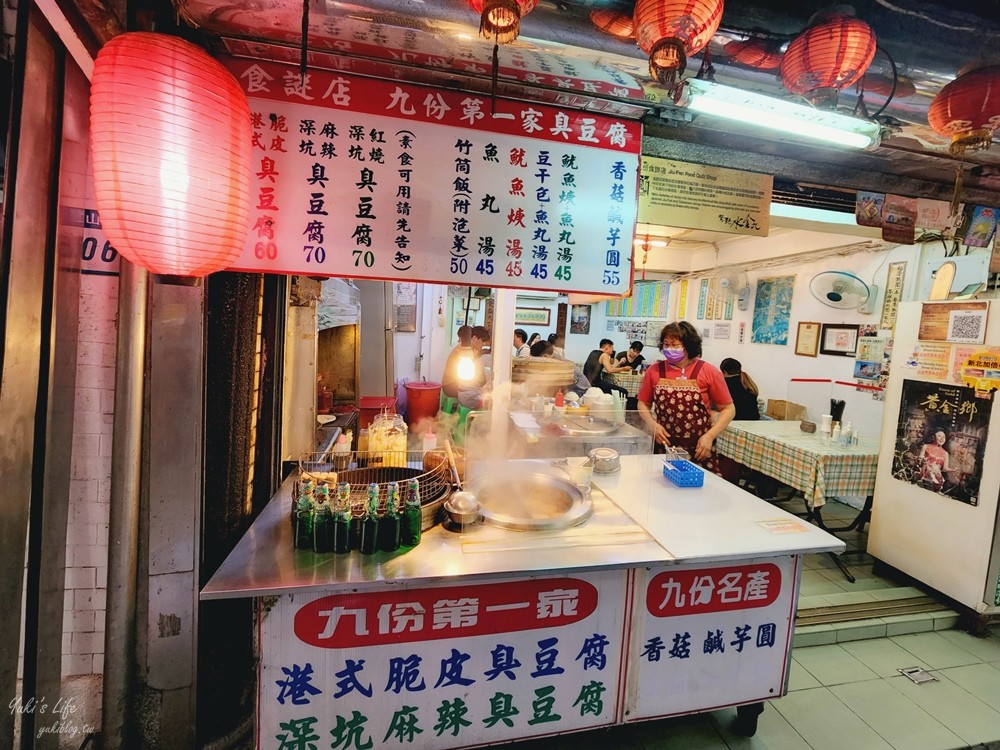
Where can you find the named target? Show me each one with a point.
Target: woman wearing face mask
(677, 395)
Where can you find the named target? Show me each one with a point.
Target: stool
(459, 430)
(448, 403)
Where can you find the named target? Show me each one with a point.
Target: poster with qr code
(954, 322)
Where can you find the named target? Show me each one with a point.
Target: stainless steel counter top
(639, 518)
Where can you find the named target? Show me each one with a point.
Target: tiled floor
(845, 692)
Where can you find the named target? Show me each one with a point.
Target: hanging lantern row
(612, 22)
(874, 83)
(755, 52)
(669, 31)
(500, 20)
(171, 145)
(827, 57)
(967, 110)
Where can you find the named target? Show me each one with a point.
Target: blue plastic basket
(684, 473)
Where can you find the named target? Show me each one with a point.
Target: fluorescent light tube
(776, 114)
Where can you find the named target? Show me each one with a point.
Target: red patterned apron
(678, 406)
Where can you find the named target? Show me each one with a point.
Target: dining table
(630, 381)
(808, 462)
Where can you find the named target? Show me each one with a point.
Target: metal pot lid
(532, 502)
(603, 454)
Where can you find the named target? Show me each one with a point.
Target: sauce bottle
(560, 399)
(368, 537)
(342, 519)
(388, 524)
(412, 522)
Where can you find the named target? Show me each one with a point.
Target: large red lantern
(500, 20)
(671, 30)
(967, 110)
(763, 54)
(828, 56)
(612, 22)
(170, 137)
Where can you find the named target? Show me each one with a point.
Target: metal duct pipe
(123, 525)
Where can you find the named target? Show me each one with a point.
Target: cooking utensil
(606, 460)
(462, 508)
(532, 502)
(451, 463)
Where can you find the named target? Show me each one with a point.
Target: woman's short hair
(731, 366)
(541, 348)
(636, 346)
(686, 334)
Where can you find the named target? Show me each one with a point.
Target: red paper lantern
(967, 110)
(828, 56)
(757, 53)
(170, 138)
(500, 20)
(882, 86)
(671, 30)
(611, 22)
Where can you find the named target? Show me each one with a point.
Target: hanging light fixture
(170, 138)
(669, 31)
(967, 110)
(830, 55)
(612, 22)
(500, 20)
(755, 52)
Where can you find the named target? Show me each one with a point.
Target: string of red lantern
(170, 139)
(671, 30)
(612, 22)
(763, 54)
(828, 56)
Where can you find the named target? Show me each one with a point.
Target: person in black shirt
(742, 388)
(631, 357)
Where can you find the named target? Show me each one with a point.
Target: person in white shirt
(521, 348)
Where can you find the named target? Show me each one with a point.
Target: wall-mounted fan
(736, 284)
(839, 289)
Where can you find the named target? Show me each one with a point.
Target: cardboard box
(780, 409)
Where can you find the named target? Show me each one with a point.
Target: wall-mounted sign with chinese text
(981, 371)
(893, 294)
(443, 667)
(696, 628)
(374, 179)
(678, 194)
(941, 439)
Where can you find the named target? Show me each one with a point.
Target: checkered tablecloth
(804, 461)
(630, 381)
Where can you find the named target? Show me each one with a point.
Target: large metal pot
(532, 501)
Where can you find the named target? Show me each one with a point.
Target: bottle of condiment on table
(368, 538)
(836, 434)
(412, 523)
(304, 523)
(560, 399)
(389, 524)
(342, 519)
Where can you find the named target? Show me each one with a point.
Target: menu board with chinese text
(375, 179)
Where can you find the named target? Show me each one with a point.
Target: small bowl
(462, 508)
(809, 427)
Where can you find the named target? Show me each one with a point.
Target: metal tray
(581, 426)
(532, 502)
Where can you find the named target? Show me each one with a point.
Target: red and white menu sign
(445, 666)
(377, 179)
(710, 636)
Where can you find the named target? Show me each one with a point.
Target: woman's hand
(704, 447)
(660, 434)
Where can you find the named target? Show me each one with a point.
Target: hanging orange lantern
(967, 110)
(500, 20)
(170, 138)
(763, 54)
(880, 85)
(612, 22)
(671, 30)
(828, 56)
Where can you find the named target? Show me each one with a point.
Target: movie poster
(941, 439)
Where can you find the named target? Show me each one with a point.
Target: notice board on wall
(386, 180)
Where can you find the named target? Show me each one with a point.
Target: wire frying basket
(363, 468)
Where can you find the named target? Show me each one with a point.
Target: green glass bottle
(304, 523)
(305, 488)
(412, 522)
(368, 538)
(342, 519)
(388, 524)
(322, 528)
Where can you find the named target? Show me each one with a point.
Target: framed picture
(807, 339)
(840, 340)
(579, 319)
(531, 316)
(473, 303)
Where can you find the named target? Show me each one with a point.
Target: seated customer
(521, 348)
(558, 342)
(742, 388)
(449, 380)
(599, 364)
(631, 357)
(472, 392)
